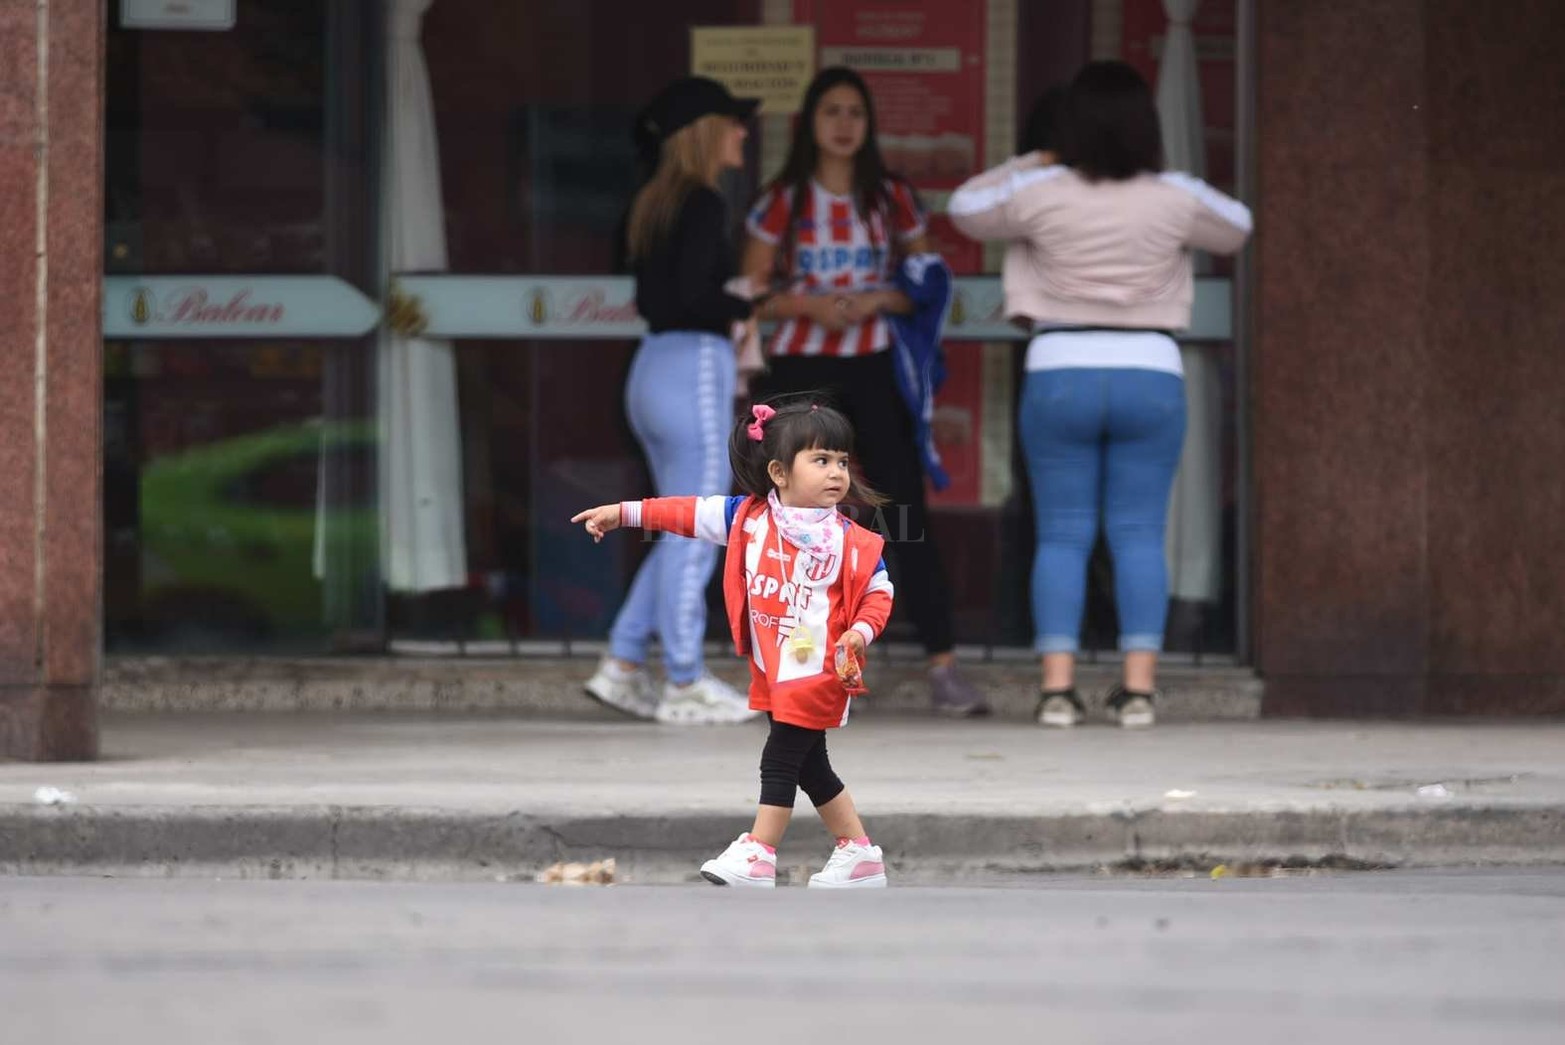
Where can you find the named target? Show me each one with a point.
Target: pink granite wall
(51, 392)
(1410, 307)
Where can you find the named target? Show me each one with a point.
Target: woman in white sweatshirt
(1099, 267)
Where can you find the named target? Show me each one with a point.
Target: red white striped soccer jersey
(836, 250)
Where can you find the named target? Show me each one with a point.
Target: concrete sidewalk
(485, 797)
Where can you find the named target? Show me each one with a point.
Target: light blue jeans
(680, 402)
(1101, 443)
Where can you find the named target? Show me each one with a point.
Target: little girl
(799, 579)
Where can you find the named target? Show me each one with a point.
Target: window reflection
(234, 465)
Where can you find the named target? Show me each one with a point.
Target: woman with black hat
(679, 396)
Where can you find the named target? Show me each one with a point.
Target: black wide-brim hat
(682, 103)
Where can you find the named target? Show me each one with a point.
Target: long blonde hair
(690, 158)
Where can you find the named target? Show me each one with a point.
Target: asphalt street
(1407, 957)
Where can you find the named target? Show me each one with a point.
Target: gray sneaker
(952, 695)
(629, 692)
(708, 701)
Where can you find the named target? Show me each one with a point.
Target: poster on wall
(924, 63)
(769, 62)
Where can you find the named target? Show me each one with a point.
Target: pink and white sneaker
(746, 862)
(852, 866)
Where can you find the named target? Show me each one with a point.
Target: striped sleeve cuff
(1225, 207)
(630, 513)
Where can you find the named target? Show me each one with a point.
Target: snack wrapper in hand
(850, 670)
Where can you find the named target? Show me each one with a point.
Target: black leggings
(795, 758)
(865, 389)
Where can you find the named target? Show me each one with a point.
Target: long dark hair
(804, 152)
(1111, 130)
(801, 422)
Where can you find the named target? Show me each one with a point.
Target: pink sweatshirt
(1105, 253)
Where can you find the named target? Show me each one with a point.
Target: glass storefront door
(366, 344)
(239, 322)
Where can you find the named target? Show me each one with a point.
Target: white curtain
(423, 546)
(1179, 91)
(1194, 545)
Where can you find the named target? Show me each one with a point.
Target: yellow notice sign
(773, 62)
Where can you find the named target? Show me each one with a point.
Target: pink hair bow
(763, 414)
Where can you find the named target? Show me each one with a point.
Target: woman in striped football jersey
(825, 236)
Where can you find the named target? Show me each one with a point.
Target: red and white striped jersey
(835, 250)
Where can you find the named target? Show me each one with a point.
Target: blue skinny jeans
(1101, 444)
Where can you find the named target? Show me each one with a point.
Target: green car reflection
(235, 544)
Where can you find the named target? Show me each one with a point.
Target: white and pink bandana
(815, 531)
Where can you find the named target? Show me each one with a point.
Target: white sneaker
(852, 866)
(707, 701)
(745, 862)
(629, 692)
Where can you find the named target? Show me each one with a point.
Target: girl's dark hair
(801, 422)
(1110, 129)
(804, 152)
(1041, 133)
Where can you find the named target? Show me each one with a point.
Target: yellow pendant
(802, 643)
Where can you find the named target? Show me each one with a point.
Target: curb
(550, 687)
(358, 842)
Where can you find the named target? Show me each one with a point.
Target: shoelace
(841, 854)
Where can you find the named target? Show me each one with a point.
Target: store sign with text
(234, 307)
(203, 15)
(574, 307)
(527, 306)
(509, 307)
(773, 63)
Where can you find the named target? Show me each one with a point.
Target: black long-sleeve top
(679, 284)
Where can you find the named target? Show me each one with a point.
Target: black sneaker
(1059, 708)
(1132, 709)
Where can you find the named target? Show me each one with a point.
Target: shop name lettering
(591, 306)
(910, 60)
(193, 306)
